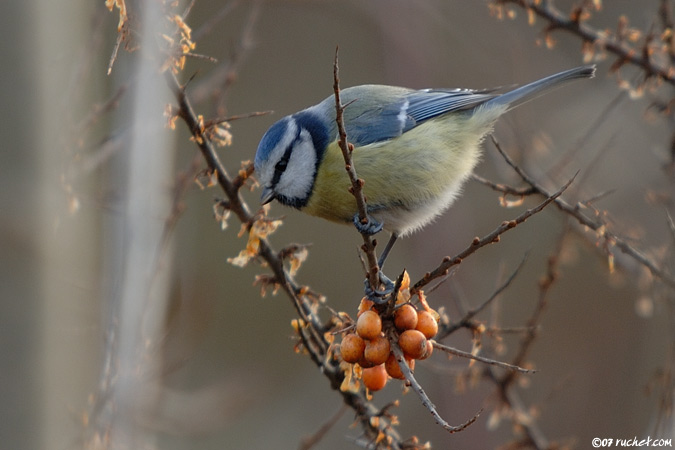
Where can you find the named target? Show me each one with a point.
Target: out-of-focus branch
(595, 224)
(446, 329)
(490, 238)
(617, 43)
(505, 383)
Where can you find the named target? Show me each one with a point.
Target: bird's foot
(376, 296)
(370, 227)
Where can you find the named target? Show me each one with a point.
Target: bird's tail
(533, 90)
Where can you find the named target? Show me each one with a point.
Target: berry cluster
(370, 348)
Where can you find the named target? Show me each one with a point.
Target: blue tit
(413, 148)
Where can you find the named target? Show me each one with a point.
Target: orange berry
(392, 367)
(351, 348)
(426, 323)
(365, 364)
(374, 378)
(369, 325)
(405, 317)
(394, 370)
(429, 350)
(377, 350)
(413, 343)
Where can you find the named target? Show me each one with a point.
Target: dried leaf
(506, 203)
(296, 259)
(110, 4)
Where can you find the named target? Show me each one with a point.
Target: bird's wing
(429, 103)
(381, 121)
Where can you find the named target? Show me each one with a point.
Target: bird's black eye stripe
(281, 165)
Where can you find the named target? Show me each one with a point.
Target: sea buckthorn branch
(446, 329)
(505, 382)
(490, 238)
(376, 425)
(236, 204)
(483, 359)
(356, 187)
(594, 223)
(311, 330)
(410, 377)
(618, 43)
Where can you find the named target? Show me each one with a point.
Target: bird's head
(288, 158)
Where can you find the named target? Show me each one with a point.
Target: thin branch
(312, 333)
(490, 238)
(492, 362)
(466, 320)
(505, 384)
(594, 224)
(310, 441)
(219, 120)
(398, 353)
(210, 24)
(503, 188)
(356, 183)
(613, 43)
(116, 48)
(545, 285)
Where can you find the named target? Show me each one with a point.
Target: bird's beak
(267, 195)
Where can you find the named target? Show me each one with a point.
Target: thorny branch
(467, 319)
(356, 183)
(617, 43)
(533, 436)
(410, 377)
(599, 226)
(312, 331)
(489, 361)
(490, 238)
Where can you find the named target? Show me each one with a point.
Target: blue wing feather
(429, 103)
(384, 121)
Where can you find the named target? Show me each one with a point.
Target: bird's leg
(379, 297)
(387, 249)
(371, 227)
(372, 293)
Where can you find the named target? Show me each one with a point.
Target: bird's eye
(281, 165)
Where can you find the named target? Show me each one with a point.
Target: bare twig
(594, 224)
(489, 238)
(310, 441)
(492, 362)
(466, 320)
(398, 353)
(612, 43)
(505, 384)
(356, 183)
(219, 120)
(312, 331)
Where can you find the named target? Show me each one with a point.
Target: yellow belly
(408, 180)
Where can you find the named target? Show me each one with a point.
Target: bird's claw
(376, 296)
(371, 227)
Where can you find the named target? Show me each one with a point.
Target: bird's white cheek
(297, 180)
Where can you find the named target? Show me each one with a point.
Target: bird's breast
(408, 180)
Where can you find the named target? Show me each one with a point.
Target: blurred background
(220, 370)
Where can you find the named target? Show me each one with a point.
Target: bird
(413, 148)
